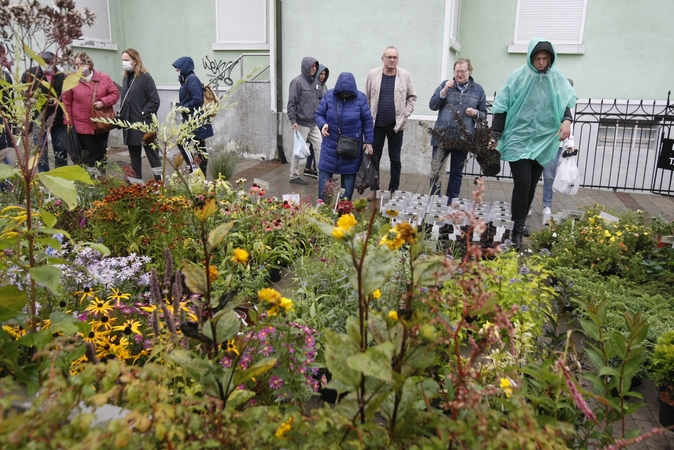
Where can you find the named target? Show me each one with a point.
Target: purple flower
(524, 270)
(226, 362)
(275, 382)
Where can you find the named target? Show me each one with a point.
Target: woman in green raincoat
(532, 113)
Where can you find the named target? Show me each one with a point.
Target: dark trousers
(60, 153)
(455, 171)
(94, 148)
(526, 173)
(395, 143)
(137, 165)
(200, 152)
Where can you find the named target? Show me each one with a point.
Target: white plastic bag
(568, 177)
(301, 148)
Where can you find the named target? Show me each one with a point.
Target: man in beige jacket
(391, 95)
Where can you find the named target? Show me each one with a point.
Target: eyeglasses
(460, 72)
(392, 58)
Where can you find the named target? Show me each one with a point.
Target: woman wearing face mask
(139, 101)
(78, 101)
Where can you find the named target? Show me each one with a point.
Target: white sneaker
(529, 213)
(547, 211)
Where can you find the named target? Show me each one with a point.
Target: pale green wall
(162, 31)
(628, 47)
(351, 35)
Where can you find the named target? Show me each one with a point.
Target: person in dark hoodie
(354, 120)
(310, 167)
(51, 116)
(532, 114)
(191, 97)
(304, 94)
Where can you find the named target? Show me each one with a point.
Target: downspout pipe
(278, 45)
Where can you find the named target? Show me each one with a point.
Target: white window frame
(103, 38)
(257, 39)
(454, 26)
(553, 24)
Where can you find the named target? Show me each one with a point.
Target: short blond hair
(465, 61)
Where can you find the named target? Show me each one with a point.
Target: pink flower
(275, 382)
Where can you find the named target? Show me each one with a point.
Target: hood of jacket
(321, 68)
(346, 84)
(185, 64)
(537, 44)
(307, 63)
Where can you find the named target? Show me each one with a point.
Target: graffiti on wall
(221, 70)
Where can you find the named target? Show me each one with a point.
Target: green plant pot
(666, 415)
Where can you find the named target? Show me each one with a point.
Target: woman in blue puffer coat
(355, 121)
(191, 97)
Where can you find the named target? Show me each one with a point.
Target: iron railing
(619, 143)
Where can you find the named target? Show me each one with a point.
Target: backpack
(208, 94)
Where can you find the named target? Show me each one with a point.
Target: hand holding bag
(106, 112)
(567, 179)
(367, 176)
(301, 150)
(347, 147)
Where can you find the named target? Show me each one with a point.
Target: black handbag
(347, 147)
(368, 175)
(71, 142)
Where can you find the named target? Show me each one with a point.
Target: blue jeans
(347, 182)
(455, 171)
(395, 143)
(548, 178)
(60, 153)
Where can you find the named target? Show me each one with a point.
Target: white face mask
(126, 65)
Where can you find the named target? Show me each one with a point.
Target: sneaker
(547, 211)
(298, 180)
(529, 213)
(310, 173)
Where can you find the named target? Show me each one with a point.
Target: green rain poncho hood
(535, 103)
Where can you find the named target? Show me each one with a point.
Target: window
(560, 21)
(454, 43)
(241, 25)
(627, 135)
(98, 35)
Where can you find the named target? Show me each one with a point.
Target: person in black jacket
(139, 101)
(51, 117)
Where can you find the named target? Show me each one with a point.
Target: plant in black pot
(662, 373)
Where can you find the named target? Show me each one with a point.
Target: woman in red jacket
(78, 102)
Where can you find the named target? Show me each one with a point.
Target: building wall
(626, 47)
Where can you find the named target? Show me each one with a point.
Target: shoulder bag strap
(93, 98)
(127, 93)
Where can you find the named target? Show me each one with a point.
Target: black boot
(517, 238)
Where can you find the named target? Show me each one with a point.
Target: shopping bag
(367, 176)
(567, 179)
(71, 142)
(301, 148)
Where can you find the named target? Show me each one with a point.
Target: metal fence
(619, 143)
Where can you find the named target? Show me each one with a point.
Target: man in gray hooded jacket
(304, 95)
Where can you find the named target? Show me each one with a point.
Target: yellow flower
(376, 294)
(98, 306)
(286, 304)
(203, 209)
(213, 273)
(15, 331)
(240, 256)
(406, 232)
(507, 386)
(607, 233)
(393, 315)
(230, 346)
(338, 233)
(269, 295)
(346, 222)
(284, 428)
(116, 295)
(128, 327)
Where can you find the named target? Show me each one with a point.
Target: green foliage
(662, 362)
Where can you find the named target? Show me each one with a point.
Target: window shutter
(241, 21)
(456, 21)
(560, 21)
(100, 31)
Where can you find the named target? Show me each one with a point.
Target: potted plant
(662, 373)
